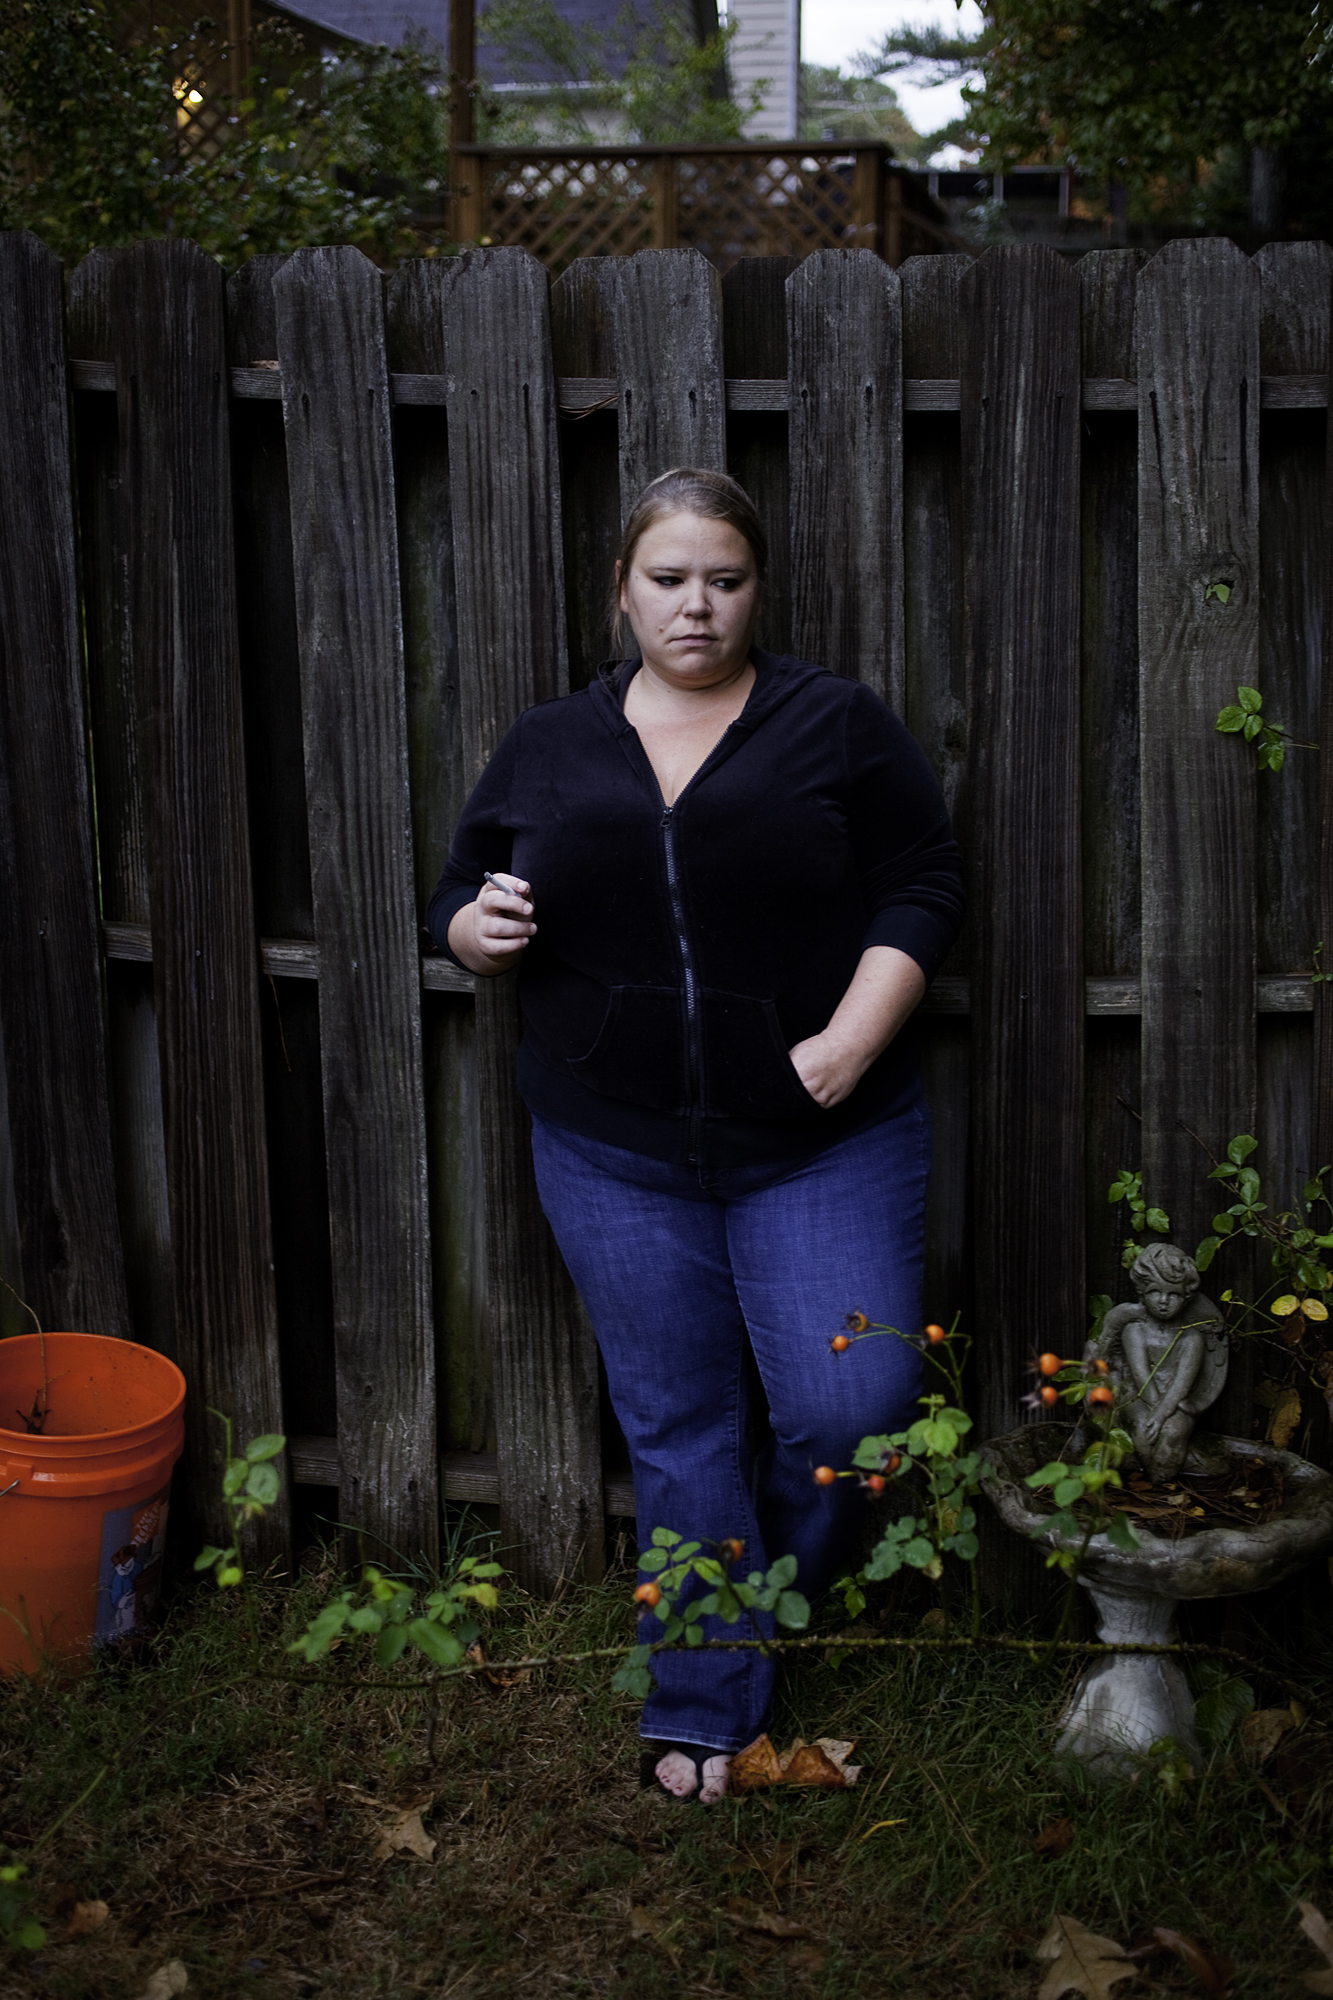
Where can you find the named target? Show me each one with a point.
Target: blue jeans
(678, 1281)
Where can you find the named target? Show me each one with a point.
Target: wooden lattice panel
(569, 205)
(777, 204)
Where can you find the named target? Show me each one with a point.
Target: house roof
(392, 21)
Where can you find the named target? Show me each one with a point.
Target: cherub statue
(1168, 1359)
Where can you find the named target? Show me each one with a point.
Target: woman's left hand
(828, 1069)
(885, 987)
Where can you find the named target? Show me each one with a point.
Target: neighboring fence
(745, 199)
(325, 539)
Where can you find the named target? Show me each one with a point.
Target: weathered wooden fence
(282, 559)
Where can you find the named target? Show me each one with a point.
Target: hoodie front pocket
(637, 1056)
(749, 1072)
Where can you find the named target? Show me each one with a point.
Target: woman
(728, 877)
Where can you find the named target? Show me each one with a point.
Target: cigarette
(503, 887)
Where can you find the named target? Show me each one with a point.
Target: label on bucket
(129, 1573)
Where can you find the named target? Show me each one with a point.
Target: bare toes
(677, 1774)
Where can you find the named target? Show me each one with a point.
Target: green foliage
(1158, 95)
(1224, 1699)
(675, 1564)
(387, 1612)
(311, 150)
(1128, 1187)
(1244, 718)
(1081, 1488)
(250, 1485)
(646, 78)
(835, 106)
(19, 1929)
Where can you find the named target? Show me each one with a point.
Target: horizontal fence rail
(251, 1121)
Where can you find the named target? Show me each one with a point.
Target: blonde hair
(686, 489)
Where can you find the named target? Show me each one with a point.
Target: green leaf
(1250, 699)
(871, 1453)
(792, 1610)
(208, 1556)
(1240, 1148)
(264, 1447)
(234, 1477)
(1068, 1491)
(1046, 1475)
(1252, 727)
(1224, 1698)
(886, 1559)
(782, 1573)
(1206, 1252)
(229, 1578)
(263, 1485)
(390, 1644)
(1229, 720)
(965, 1546)
(664, 1539)
(442, 1648)
(653, 1559)
(1123, 1533)
(919, 1552)
(1158, 1219)
(1277, 755)
(635, 1681)
(366, 1618)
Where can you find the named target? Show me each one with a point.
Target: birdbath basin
(1126, 1702)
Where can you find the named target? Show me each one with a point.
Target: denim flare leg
(678, 1281)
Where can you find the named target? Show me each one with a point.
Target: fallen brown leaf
(1213, 1974)
(1083, 1962)
(822, 1765)
(643, 1922)
(506, 1677)
(771, 1923)
(402, 1831)
(405, 1834)
(1317, 1929)
(166, 1982)
(806, 1957)
(755, 1767)
(1055, 1839)
(87, 1917)
(1261, 1731)
(808, 1765)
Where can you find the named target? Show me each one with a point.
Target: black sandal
(698, 1755)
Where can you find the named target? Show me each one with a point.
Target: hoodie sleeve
(483, 840)
(910, 868)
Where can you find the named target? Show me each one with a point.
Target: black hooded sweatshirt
(682, 950)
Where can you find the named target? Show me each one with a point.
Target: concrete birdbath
(1166, 1356)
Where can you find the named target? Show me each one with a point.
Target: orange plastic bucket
(83, 1502)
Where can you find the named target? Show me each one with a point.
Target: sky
(834, 31)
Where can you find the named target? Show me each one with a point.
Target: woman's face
(692, 595)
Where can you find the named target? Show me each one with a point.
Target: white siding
(767, 44)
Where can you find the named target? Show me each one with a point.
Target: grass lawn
(237, 1824)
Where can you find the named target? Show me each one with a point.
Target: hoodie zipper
(693, 1062)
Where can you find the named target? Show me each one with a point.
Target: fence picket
(440, 783)
(167, 309)
(1020, 437)
(280, 846)
(511, 638)
(51, 1000)
(754, 348)
(938, 714)
(1110, 653)
(583, 343)
(666, 317)
(1197, 336)
(845, 402)
(335, 386)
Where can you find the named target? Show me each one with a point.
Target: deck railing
(751, 199)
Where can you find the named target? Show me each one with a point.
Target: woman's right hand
(491, 934)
